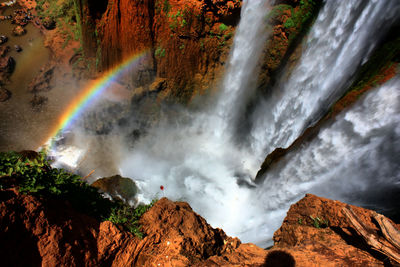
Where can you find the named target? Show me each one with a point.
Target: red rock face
(44, 232)
(315, 244)
(188, 40)
(37, 231)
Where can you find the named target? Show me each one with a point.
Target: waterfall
(356, 159)
(194, 158)
(341, 39)
(238, 84)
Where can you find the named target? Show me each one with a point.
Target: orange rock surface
(37, 231)
(187, 41)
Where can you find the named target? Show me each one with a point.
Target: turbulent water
(195, 158)
(342, 38)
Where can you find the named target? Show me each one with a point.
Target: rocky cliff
(188, 41)
(38, 231)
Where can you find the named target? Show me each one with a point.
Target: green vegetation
(299, 18)
(223, 27)
(34, 175)
(66, 15)
(129, 217)
(160, 52)
(289, 23)
(319, 222)
(179, 18)
(166, 6)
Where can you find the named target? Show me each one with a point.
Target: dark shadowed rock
(4, 94)
(118, 188)
(49, 23)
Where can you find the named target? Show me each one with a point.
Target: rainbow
(91, 92)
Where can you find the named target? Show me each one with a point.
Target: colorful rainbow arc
(91, 92)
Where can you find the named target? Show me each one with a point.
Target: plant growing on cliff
(160, 52)
(128, 217)
(319, 222)
(223, 27)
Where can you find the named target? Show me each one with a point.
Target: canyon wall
(189, 41)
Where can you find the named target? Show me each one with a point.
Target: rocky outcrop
(51, 233)
(4, 94)
(118, 188)
(38, 231)
(290, 21)
(316, 232)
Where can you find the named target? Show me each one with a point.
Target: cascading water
(341, 39)
(249, 40)
(356, 159)
(195, 160)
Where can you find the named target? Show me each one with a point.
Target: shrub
(223, 27)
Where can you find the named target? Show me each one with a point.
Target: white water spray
(341, 39)
(238, 84)
(353, 160)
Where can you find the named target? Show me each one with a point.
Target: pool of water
(21, 126)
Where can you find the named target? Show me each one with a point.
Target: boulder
(4, 94)
(118, 188)
(43, 82)
(49, 23)
(316, 232)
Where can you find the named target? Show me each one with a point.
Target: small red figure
(161, 187)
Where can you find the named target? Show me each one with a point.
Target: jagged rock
(4, 50)
(7, 66)
(158, 85)
(18, 48)
(43, 81)
(49, 23)
(18, 31)
(118, 188)
(3, 39)
(49, 232)
(38, 101)
(315, 231)
(4, 94)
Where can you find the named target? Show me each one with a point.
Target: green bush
(36, 176)
(160, 52)
(223, 27)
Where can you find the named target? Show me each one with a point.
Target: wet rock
(4, 94)
(18, 48)
(3, 39)
(43, 81)
(118, 188)
(49, 23)
(7, 64)
(19, 31)
(38, 101)
(4, 50)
